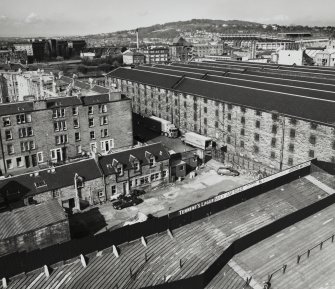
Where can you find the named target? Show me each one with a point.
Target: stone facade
(91, 193)
(146, 178)
(49, 133)
(202, 50)
(261, 136)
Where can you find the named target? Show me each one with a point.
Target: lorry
(197, 140)
(163, 126)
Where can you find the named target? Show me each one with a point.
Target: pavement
(175, 196)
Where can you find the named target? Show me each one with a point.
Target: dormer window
(152, 161)
(136, 166)
(119, 169)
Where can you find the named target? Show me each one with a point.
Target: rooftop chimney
(138, 46)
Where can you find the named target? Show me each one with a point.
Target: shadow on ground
(86, 223)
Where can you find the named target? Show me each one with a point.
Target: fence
(28, 261)
(239, 162)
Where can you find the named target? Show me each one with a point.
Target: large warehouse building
(276, 116)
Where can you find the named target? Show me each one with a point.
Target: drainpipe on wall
(282, 144)
(3, 154)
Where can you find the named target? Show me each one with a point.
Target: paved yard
(175, 196)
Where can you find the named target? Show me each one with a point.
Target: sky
(28, 18)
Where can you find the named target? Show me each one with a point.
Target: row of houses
(92, 181)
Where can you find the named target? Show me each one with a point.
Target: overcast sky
(80, 17)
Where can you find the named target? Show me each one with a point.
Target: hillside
(173, 29)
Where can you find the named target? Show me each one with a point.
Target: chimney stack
(138, 46)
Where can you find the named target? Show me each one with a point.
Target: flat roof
(198, 245)
(314, 109)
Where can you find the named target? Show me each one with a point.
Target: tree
(82, 69)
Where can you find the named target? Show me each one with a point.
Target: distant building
(180, 50)
(156, 54)
(210, 48)
(27, 46)
(291, 57)
(133, 57)
(33, 227)
(87, 55)
(8, 56)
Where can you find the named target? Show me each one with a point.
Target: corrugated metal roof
(30, 218)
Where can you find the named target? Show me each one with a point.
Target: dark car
(223, 171)
(126, 202)
(137, 192)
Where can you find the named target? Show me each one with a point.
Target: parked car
(137, 192)
(126, 201)
(223, 171)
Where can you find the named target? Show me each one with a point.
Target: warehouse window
(273, 155)
(243, 109)
(293, 121)
(243, 120)
(290, 161)
(256, 137)
(256, 149)
(242, 131)
(291, 147)
(242, 144)
(228, 139)
(312, 139)
(230, 106)
(205, 109)
(313, 125)
(259, 113)
(311, 153)
(229, 116)
(258, 124)
(292, 133)
(273, 142)
(275, 117)
(229, 128)
(274, 129)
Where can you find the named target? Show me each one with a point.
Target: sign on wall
(225, 195)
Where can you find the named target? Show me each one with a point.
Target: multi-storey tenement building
(156, 55)
(268, 123)
(37, 133)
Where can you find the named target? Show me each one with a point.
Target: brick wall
(42, 124)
